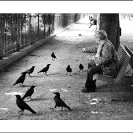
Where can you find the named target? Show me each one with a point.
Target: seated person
(105, 54)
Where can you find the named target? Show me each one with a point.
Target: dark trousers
(90, 84)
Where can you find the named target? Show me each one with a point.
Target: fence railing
(20, 30)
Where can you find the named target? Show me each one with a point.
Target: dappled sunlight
(53, 90)
(96, 112)
(4, 109)
(65, 90)
(14, 93)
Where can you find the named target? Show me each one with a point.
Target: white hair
(101, 34)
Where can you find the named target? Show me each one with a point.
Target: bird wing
(46, 69)
(21, 104)
(42, 70)
(27, 93)
(59, 101)
(20, 79)
(67, 68)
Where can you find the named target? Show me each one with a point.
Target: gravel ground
(67, 47)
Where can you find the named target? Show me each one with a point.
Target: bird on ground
(81, 67)
(29, 92)
(45, 69)
(53, 56)
(21, 79)
(29, 71)
(22, 105)
(80, 34)
(69, 69)
(59, 102)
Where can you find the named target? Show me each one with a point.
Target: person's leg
(90, 84)
(90, 25)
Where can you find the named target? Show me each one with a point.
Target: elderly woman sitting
(105, 56)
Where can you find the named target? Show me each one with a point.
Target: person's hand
(90, 60)
(83, 50)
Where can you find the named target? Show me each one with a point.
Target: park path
(67, 47)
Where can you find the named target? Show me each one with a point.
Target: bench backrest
(124, 58)
(131, 54)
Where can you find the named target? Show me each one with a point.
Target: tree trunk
(29, 34)
(38, 27)
(110, 24)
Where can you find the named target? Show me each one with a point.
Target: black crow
(53, 56)
(68, 69)
(59, 102)
(44, 70)
(81, 67)
(22, 105)
(21, 79)
(29, 71)
(29, 92)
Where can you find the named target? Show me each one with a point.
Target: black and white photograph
(66, 64)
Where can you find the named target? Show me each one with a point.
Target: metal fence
(20, 30)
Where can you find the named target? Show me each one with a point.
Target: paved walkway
(67, 46)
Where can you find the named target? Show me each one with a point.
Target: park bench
(131, 59)
(124, 58)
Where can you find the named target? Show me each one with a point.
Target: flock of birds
(58, 101)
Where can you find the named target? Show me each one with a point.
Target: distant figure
(93, 22)
(90, 18)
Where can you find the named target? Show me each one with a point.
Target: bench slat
(131, 54)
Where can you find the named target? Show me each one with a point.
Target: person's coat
(106, 56)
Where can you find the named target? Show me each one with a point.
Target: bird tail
(14, 83)
(23, 97)
(68, 108)
(31, 110)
